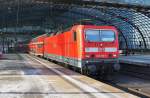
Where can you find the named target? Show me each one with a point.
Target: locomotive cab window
(92, 35)
(100, 35)
(74, 36)
(107, 35)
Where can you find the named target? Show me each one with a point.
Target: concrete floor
(22, 76)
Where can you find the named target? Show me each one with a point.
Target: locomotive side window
(74, 36)
(92, 35)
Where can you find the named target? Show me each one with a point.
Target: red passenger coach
(90, 48)
(36, 46)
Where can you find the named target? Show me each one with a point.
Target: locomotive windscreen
(100, 35)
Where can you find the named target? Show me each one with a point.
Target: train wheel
(85, 71)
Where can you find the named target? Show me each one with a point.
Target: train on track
(89, 48)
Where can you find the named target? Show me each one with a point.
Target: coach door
(66, 49)
(74, 45)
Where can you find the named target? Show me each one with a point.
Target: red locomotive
(90, 48)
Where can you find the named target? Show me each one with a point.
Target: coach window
(74, 36)
(40, 45)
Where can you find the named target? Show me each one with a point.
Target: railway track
(136, 71)
(131, 84)
(134, 79)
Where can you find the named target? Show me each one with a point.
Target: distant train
(1, 54)
(88, 48)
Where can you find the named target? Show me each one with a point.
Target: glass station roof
(132, 2)
(136, 2)
(132, 21)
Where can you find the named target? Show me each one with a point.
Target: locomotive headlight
(114, 55)
(91, 49)
(110, 49)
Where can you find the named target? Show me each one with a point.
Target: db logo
(100, 49)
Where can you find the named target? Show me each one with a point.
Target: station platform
(26, 76)
(141, 60)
